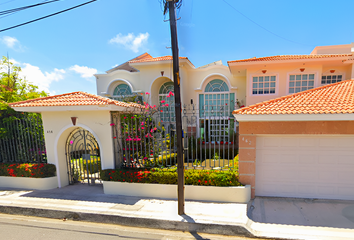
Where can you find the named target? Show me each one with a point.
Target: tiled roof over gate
(71, 99)
(329, 99)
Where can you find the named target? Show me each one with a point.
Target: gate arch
(82, 157)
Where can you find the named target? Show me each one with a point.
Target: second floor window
(263, 85)
(301, 82)
(331, 79)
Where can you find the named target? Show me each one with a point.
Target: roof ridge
(42, 98)
(292, 55)
(292, 95)
(107, 100)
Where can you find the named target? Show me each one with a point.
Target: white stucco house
(211, 89)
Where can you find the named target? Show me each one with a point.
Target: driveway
(302, 212)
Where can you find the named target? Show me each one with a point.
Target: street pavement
(13, 227)
(262, 217)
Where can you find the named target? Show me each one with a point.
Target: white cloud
(130, 41)
(35, 75)
(12, 43)
(84, 71)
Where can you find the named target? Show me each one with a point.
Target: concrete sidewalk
(89, 203)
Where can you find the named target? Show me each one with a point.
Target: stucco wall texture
(250, 130)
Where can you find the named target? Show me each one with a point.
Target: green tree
(21, 134)
(12, 87)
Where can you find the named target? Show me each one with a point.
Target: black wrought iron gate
(82, 157)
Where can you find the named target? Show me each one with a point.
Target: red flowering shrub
(169, 176)
(32, 170)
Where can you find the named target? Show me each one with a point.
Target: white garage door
(314, 166)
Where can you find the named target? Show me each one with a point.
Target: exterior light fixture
(302, 69)
(332, 71)
(162, 72)
(73, 120)
(264, 71)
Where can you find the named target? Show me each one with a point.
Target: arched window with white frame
(167, 101)
(123, 92)
(215, 112)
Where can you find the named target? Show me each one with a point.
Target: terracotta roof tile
(291, 57)
(72, 99)
(156, 59)
(329, 99)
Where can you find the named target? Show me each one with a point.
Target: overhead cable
(264, 27)
(50, 15)
(26, 7)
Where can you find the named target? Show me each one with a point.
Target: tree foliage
(22, 133)
(12, 87)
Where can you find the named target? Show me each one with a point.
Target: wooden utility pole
(178, 109)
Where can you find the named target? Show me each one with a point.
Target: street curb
(188, 226)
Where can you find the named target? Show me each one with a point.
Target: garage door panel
(308, 158)
(308, 142)
(345, 177)
(316, 166)
(345, 160)
(327, 176)
(269, 158)
(289, 142)
(306, 190)
(345, 191)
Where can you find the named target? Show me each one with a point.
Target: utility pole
(178, 109)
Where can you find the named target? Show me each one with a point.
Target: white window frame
(202, 91)
(328, 73)
(171, 106)
(268, 74)
(316, 79)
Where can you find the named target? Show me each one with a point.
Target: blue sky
(60, 53)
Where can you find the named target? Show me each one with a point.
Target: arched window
(167, 113)
(122, 90)
(215, 110)
(216, 85)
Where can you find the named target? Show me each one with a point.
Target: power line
(50, 15)
(264, 27)
(15, 12)
(26, 7)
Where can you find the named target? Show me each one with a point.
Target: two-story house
(211, 90)
(276, 76)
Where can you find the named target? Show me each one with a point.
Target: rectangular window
(263, 85)
(331, 79)
(301, 82)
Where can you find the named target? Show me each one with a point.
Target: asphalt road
(13, 227)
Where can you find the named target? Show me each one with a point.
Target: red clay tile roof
(329, 99)
(142, 56)
(156, 59)
(290, 57)
(71, 99)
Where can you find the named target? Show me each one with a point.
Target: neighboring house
(276, 76)
(300, 145)
(212, 89)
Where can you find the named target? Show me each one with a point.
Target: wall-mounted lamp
(332, 71)
(192, 101)
(162, 72)
(73, 119)
(264, 71)
(302, 69)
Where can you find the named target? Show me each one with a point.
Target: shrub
(32, 170)
(169, 176)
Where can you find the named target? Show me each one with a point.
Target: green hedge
(169, 176)
(32, 170)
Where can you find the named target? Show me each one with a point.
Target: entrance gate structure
(82, 157)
